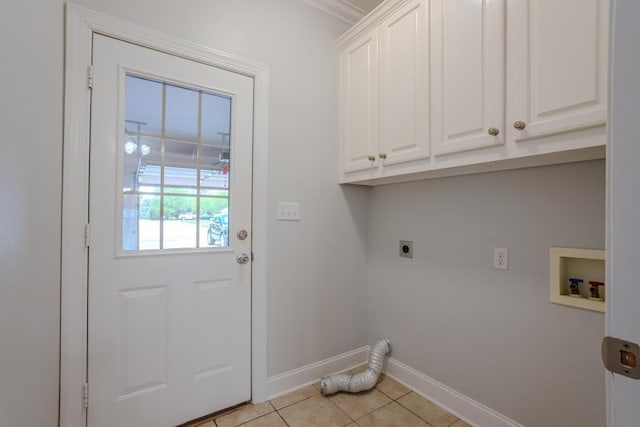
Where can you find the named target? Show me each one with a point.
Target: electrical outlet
(501, 258)
(288, 211)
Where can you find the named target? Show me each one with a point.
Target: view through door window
(175, 168)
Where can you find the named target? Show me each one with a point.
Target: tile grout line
(371, 412)
(399, 397)
(294, 403)
(340, 409)
(257, 418)
(399, 403)
(282, 418)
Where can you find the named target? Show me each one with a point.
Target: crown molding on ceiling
(341, 9)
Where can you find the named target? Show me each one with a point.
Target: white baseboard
(457, 403)
(301, 377)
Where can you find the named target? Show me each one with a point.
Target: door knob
(242, 234)
(382, 156)
(520, 125)
(493, 131)
(372, 158)
(242, 258)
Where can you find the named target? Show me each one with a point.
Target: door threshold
(211, 416)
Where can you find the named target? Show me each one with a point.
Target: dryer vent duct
(362, 381)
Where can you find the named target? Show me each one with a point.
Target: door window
(175, 166)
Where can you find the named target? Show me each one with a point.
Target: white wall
(492, 335)
(30, 181)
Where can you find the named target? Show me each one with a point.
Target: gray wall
(30, 181)
(492, 335)
(317, 263)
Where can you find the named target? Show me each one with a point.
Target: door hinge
(87, 235)
(90, 77)
(85, 395)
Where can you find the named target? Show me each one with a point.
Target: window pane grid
(162, 161)
(156, 184)
(198, 169)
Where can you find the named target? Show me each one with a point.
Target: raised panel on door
(404, 85)
(467, 74)
(359, 103)
(557, 53)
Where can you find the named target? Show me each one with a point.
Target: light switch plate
(288, 211)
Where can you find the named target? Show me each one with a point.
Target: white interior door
(623, 210)
(170, 188)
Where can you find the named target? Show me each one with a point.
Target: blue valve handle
(574, 287)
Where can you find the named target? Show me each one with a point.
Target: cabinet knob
(382, 156)
(520, 125)
(372, 158)
(493, 131)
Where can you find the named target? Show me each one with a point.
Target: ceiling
(350, 11)
(366, 5)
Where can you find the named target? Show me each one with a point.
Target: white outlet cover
(288, 211)
(501, 258)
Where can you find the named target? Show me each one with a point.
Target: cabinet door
(404, 86)
(557, 53)
(467, 74)
(359, 103)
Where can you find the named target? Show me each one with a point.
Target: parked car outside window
(218, 232)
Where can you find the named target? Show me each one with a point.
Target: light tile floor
(389, 404)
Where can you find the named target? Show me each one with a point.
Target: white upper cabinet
(359, 103)
(404, 85)
(467, 76)
(434, 88)
(557, 62)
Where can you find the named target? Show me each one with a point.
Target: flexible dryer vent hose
(362, 381)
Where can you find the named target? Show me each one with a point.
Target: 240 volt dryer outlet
(406, 248)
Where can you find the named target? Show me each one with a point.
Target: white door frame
(81, 24)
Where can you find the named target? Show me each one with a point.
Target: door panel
(467, 80)
(359, 103)
(168, 313)
(143, 313)
(557, 77)
(404, 88)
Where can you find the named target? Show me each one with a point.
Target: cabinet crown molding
(341, 9)
(370, 21)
